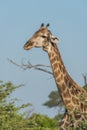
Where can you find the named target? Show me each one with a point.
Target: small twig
(30, 66)
(17, 64)
(85, 78)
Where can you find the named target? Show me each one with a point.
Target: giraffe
(73, 96)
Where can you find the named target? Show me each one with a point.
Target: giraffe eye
(43, 36)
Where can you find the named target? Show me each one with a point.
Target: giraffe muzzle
(28, 45)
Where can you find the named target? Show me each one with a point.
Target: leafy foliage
(54, 100)
(40, 121)
(11, 119)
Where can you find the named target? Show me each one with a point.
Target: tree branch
(30, 66)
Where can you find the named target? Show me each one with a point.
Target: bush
(41, 121)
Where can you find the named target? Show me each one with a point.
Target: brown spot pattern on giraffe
(63, 86)
(55, 66)
(67, 101)
(53, 60)
(66, 93)
(75, 100)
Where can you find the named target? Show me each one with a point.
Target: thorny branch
(30, 66)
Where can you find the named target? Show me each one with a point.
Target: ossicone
(47, 25)
(42, 25)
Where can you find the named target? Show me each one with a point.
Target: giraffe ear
(54, 40)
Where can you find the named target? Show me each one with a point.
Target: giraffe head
(41, 38)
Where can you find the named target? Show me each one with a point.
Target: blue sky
(19, 19)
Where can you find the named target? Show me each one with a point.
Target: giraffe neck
(67, 87)
(60, 73)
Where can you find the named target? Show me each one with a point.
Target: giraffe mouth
(28, 45)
